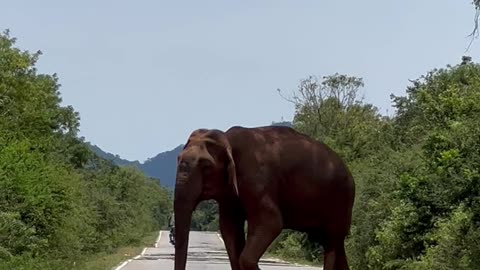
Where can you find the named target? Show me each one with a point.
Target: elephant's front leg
(232, 221)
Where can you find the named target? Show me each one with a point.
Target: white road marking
(138, 256)
(123, 265)
(158, 239)
(221, 239)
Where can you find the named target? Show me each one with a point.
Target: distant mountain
(115, 158)
(162, 166)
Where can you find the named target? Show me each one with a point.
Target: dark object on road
(275, 176)
(171, 225)
(172, 236)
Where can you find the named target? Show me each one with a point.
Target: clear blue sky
(144, 74)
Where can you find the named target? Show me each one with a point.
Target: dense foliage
(418, 182)
(59, 202)
(205, 217)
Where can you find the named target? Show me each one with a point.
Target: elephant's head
(205, 170)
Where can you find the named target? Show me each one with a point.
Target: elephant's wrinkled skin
(273, 177)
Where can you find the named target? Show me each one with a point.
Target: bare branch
(285, 98)
(475, 31)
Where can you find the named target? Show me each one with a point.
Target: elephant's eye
(183, 167)
(205, 164)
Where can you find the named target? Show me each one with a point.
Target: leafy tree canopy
(60, 202)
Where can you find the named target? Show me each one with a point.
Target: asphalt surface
(206, 251)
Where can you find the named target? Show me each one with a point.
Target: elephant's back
(296, 159)
(310, 182)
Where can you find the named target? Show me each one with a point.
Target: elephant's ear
(232, 174)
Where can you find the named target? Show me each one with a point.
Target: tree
(59, 202)
(332, 111)
(417, 202)
(434, 224)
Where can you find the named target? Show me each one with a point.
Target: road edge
(158, 238)
(124, 263)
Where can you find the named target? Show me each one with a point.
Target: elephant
(273, 178)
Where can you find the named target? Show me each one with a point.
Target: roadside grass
(107, 261)
(287, 247)
(99, 261)
(292, 259)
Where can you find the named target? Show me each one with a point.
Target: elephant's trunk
(183, 208)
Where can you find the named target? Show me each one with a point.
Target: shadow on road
(212, 257)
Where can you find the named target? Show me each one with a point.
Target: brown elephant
(272, 177)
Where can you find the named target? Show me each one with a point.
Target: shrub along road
(205, 251)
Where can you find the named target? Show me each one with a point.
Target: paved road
(205, 251)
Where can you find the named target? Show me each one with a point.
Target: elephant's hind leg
(340, 258)
(329, 258)
(334, 255)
